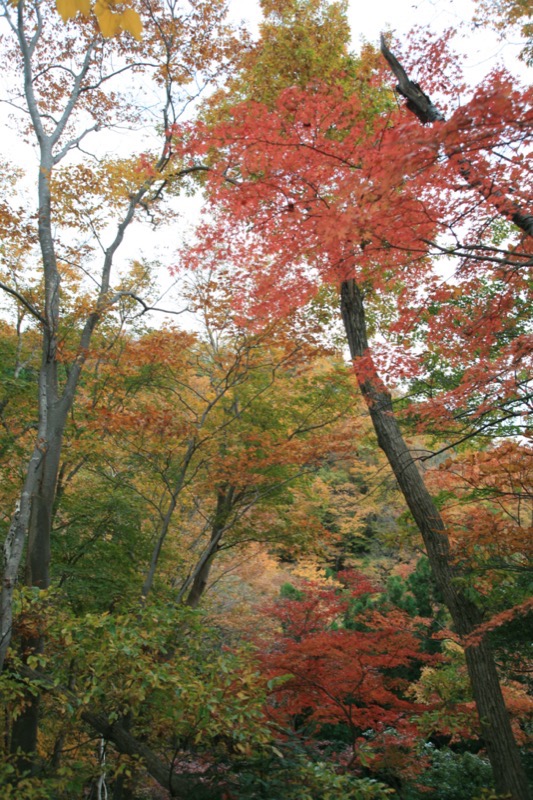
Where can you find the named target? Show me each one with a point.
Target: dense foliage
(238, 564)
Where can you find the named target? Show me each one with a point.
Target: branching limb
(33, 311)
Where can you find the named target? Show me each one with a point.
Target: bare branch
(143, 303)
(33, 311)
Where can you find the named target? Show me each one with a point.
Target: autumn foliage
(238, 563)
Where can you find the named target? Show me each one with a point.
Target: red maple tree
(331, 668)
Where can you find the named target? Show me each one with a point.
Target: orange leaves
(243, 417)
(328, 189)
(488, 512)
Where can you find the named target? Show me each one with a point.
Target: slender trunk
(57, 752)
(165, 524)
(509, 774)
(203, 568)
(158, 546)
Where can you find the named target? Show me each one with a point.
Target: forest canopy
(266, 475)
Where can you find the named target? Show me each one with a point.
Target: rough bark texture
(509, 774)
(417, 102)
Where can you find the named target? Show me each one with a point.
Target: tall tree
(338, 189)
(67, 87)
(68, 92)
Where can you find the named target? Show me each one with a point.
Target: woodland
(268, 534)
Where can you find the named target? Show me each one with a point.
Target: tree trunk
(13, 549)
(24, 736)
(165, 522)
(503, 753)
(25, 727)
(203, 568)
(179, 785)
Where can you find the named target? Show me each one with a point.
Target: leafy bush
(452, 776)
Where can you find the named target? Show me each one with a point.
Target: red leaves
(342, 675)
(316, 188)
(497, 621)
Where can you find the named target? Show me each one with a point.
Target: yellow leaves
(110, 21)
(308, 569)
(130, 21)
(84, 195)
(67, 9)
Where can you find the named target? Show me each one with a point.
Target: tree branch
(204, 786)
(33, 311)
(417, 102)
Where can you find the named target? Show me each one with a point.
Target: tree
(340, 675)
(113, 674)
(330, 189)
(213, 436)
(66, 89)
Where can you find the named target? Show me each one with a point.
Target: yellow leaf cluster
(110, 21)
(69, 8)
(308, 569)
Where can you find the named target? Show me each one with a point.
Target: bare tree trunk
(503, 753)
